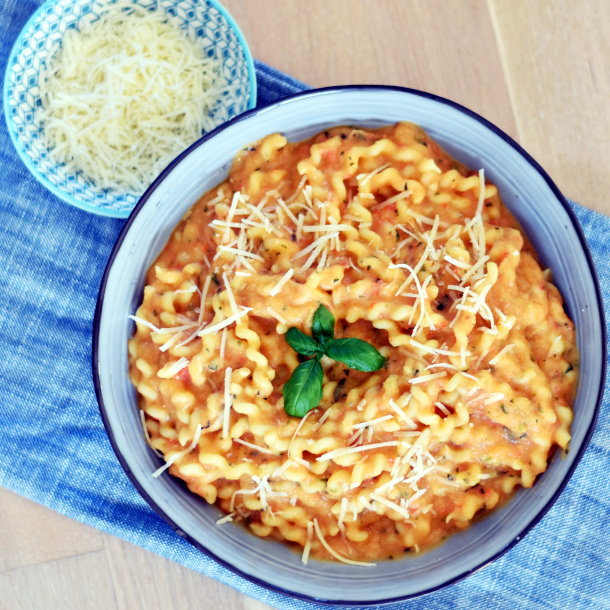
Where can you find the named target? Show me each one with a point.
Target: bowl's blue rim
(561, 199)
(58, 192)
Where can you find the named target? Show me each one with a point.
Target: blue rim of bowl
(311, 93)
(26, 159)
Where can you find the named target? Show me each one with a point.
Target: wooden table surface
(539, 70)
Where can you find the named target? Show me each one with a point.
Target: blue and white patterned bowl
(206, 20)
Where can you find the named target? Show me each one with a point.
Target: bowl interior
(205, 20)
(526, 190)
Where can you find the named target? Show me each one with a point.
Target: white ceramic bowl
(205, 20)
(526, 190)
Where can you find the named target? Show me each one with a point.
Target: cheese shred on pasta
(411, 252)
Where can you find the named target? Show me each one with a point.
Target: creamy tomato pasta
(409, 251)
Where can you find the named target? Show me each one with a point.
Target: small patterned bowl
(206, 20)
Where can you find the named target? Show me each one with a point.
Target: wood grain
(556, 58)
(82, 581)
(445, 48)
(539, 70)
(47, 538)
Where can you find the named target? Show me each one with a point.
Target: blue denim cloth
(55, 449)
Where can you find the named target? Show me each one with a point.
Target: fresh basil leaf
(302, 343)
(323, 325)
(303, 391)
(356, 353)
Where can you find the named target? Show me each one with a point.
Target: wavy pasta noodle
(413, 253)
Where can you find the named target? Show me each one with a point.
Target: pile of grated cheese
(126, 94)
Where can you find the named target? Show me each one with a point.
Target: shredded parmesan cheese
(372, 422)
(228, 401)
(307, 546)
(342, 514)
(392, 505)
(278, 287)
(389, 485)
(223, 342)
(225, 519)
(216, 327)
(171, 370)
(402, 415)
(280, 471)
(125, 94)
(230, 294)
(426, 378)
(501, 354)
(241, 252)
(334, 553)
(253, 446)
(433, 350)
(145, 323)
(345, 450)
(276, 315)
(321, 420)
(493, 398)
(180, 454)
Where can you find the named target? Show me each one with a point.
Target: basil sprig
(303, 391)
